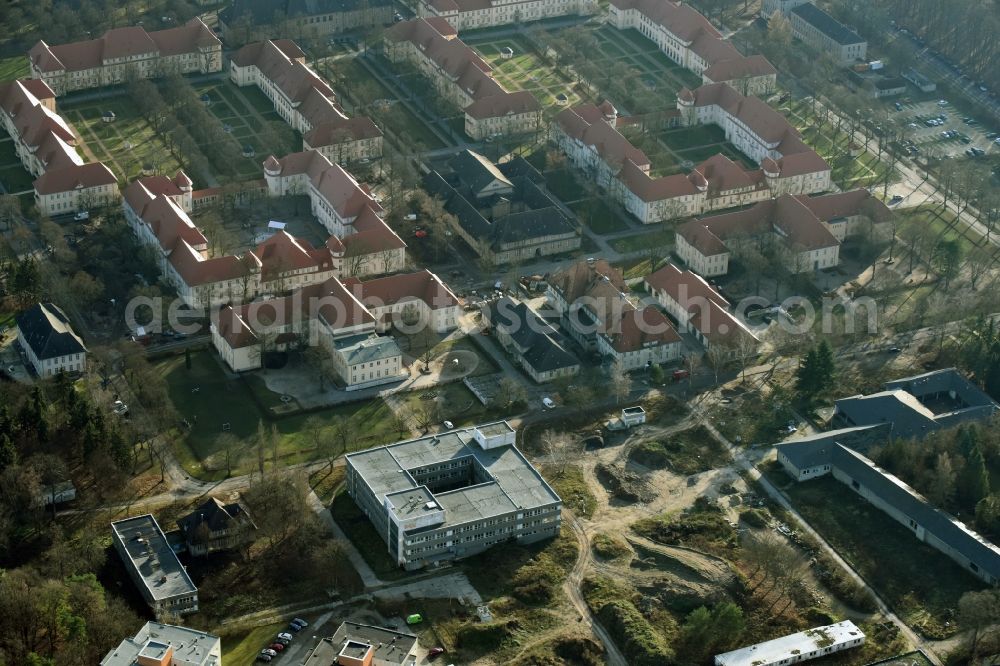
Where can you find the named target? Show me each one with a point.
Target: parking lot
(939, 130)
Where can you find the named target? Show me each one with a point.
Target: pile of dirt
(624, 485)
(682, 596)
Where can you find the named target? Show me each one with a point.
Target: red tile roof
(586, 124)
(74, 177)
(739, 68)
(341, 130)
(706, 306)
(422, 286)
(122, 43)
(637, 329)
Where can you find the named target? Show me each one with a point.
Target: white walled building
(814, 26)
(406, 298)
(305, 101)
(121, 53)
(49, 342)
(166, 645)
(691, 41)
(802, 646)
(811, 229)
(466, 14)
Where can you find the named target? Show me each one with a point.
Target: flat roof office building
(453, 494)
(153, 566)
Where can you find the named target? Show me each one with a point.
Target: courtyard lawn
(209, 399)
(527, 71)
(563, 183)
(449, 402)
(886, 554)
(124, 145)
(598, 216)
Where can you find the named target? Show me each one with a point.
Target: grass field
(886, 554)
(656, 238)
(938, 223)
(14, 67)
(242, 647)
(527, 71)
(124, 145)
(208, 398)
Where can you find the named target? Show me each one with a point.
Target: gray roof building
(46, 329)
(452, 494)
(153, 566)
(503, 210)
(910, 407)
(359, 642)
(154, 642)
(826, 24)
(917, 405)
(365, 348)
(264, 12)
(538, 347)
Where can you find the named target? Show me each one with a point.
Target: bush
(609, 548)
(631, 631)
(755, 517)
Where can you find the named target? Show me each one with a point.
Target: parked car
(82, 215)
(283, 641)
(302, 623)
(434, 652)
(264, 657)
(895, 200)
(548, 403)
(291, 625)
(448, 425)
(277, 647)
(269, 652)
(894, 350)
(286, 635)
(681, 374)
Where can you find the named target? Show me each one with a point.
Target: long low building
(452, 494)
(466, 14)
(691, 41)
(49, 342)
(814, 26)
(802, 646)
(123, 53)
(247, 20)
(153, 566)
(305, 101)
(463, 78)
(46, 146)
(811, 229)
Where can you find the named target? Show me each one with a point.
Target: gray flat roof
(364, 348)
(191, 647)
(152, 557)
(515, 482)
(412, 501)
(392, 646)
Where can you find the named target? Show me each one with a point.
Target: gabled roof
(477, 171)
(74, 176)
(262, 12)
(707, 307)
(586, 124)
(733, 69)
(127, 42)
(421, 285)
(576, 280)
(217, 516)
(639, 328)
(826, 24)
(343, 193)
(538, 344)
(46, 329)
(341, 130)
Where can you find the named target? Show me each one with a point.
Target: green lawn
(14, 67)
(126, 144)
(921, 584)
(242, 647)
(208, 398)
(452, 402)
(938, 223)
(362, 534)
(656, 238)
(691, 137)
(596, 214)
(563, 184)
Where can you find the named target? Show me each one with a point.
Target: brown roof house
(810, 228)
(121, 53)
(591, 297)
(466, 14)
(216, 526)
